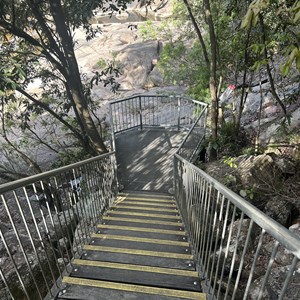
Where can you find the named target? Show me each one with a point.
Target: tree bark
(58, 49)
(212, 77)
(198, 31)
(73, 78)
(271, 80)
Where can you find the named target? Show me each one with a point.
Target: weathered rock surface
(138, 61)
(280, 210)
(274, 285)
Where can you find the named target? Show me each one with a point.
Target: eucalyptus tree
(37, 43)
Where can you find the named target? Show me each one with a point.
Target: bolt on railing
(45, 221)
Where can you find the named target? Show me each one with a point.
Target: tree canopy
(37, 44)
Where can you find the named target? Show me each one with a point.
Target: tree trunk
(212, 77)
(244, 94)
(198, 31)
(73, 78)
(271, 80)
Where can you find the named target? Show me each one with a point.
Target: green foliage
(183, 65)
(101, 63)
(69, 157)
(230, 161)
(230, 142)
(282, 22)
(150, 30)
(147, 31)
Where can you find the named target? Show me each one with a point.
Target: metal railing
(45, 221)
(191, 145)
(153, 110)
(241, 252)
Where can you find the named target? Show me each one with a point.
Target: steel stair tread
(140, 214)
(134, 222)
(78, 289)
(145, 204)
(133, 258)
(113, 241)
(136, 251)
(145, 194)
(141, 246)
(136, 231)
(141, 229)
(136, 274)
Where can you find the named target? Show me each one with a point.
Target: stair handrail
(49, 217)
(202, 117)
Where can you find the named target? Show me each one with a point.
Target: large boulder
(274, 285)
(256, 170)
(138, 60)
(280, 210)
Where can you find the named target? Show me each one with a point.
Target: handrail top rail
(31, 179)
(191, 129)
(159, 96)
(287, 238)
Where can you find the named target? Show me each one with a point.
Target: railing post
(178, 112)
(112, 140)
(141, 115)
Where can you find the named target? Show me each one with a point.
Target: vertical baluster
(221, 250)
(68, 236)
(46, 226)
(234, 254)
(112, 124)
(288, 277)
(259, 245)
(202, 186)
(208, 192)
(16, 232)
(178, 113)
(59, 211)
(64, 182)
(242, 259)
(32, 241)
(14, 263)
(227, 246)
(268, 271)
(6, 283)
(211, 225)
(216, 239)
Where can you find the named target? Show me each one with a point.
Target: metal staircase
(88, 241)
(140, 251)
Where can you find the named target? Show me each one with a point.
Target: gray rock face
(138, 60)
(38, 257)
(274, 285)
(252, 169)
(279, 210)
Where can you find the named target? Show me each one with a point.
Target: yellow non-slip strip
(134, 288)
(138, 239)
(116, 212)
(145, 199)
(138, 252)
(125, 202)
(142, 229)
(174, 210)
(141, 195)
(130, 267)
(176, 223)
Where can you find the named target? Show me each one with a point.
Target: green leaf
(286, 68)
(297, 16)
(246, 23)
